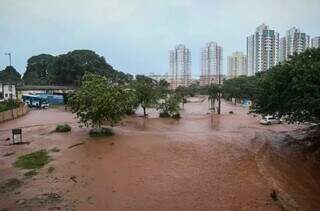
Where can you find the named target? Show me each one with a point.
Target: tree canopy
(98, 100)
(291, 89)
(68, 69)
(10, 75)
(146, 91)
(37, 72)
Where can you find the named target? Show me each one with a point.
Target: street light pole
(219, 94)
(9, 54)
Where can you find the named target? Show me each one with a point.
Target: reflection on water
(215, 121)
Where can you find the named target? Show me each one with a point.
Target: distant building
(159, 77)
(180, 66)
(315, 42)
(237, 65)
(295, 41)
(282, 49)
(7, 91)
(211, 63)
(262, 49)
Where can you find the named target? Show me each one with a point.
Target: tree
(146, 91)
(98, 100)
(292, 89)
(163, 87)
(37, 72)
(169, 106)
(68, 69)
(181, 93)
(10, 75)
(213, 92)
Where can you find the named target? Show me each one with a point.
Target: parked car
(269, 120)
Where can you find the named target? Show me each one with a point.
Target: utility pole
(219, 94)
(9, 54)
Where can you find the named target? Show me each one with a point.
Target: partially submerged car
(269, 120)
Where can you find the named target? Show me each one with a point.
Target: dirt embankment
(290, 163)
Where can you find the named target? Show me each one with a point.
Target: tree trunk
(144, 111)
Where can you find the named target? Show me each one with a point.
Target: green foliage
(292, 89)
(37, 72)
(63, 128)
(163, 88)
(101, 132)
(213, 91)
(146, 91)
(10, 75)
(34, 160)
(240, 88)
(99, 100)
(169, 106)
(8, 105)
(68, 69)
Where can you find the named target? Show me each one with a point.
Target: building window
(1, 95)
(6, 95)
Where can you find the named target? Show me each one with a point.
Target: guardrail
(13, 113)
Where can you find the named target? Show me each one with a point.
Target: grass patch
(101, 132)
(63, 128)
(34, 160)
(31, 173)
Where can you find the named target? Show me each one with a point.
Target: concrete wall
(14, 113)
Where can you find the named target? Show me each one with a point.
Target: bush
(34, 160)
(164, 115)
(176, 116)
(63, 128)
(101, 132)
(8, 105)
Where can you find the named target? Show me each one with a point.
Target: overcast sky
(135, 35)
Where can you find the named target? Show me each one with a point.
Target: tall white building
(262, 49)
(295, 41)
(237, 65)
(315, 42)
(180, 66)
(282, 49)
(211, 63)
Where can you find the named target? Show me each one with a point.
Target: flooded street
(201, 162)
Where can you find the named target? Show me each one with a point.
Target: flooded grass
(34, 160)
(63, 128)
(101, 132)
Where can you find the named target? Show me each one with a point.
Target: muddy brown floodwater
(200, 162)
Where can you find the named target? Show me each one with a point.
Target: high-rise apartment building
(295, 41)
(282, 49)
(211, 63)
(180, 66)
(315, 42)
(237, 65)
(262, 49)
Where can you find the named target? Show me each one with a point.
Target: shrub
(34, 160)
(63, 128)
(164, 115)
(100, 132)
(8, 105)
(176, 116)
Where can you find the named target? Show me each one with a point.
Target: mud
(201, 162)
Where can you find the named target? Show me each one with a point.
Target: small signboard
(17, 132)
